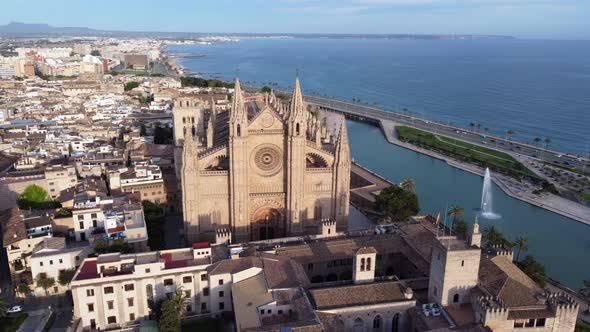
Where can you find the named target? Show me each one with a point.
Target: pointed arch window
(239, 130)
(369, 264)
(362, 264)
(297, 129)
(377, 322)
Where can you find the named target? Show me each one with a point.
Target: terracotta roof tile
(355, 295)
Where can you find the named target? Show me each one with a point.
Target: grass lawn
(471, 153)
(12, 322)
(584, 195)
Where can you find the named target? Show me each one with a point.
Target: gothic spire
(342, 148)
(297, 107)
(238, 112)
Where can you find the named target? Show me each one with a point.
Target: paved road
(471, 136)
(173, 232)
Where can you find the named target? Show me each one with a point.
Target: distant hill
(18, 29)
(26, 29)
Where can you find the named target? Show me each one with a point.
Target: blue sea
(535, 88)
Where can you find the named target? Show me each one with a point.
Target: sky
(561, 19)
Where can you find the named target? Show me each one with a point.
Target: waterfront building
(265, 169)
(349, 283)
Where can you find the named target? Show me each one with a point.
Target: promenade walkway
(510, 186)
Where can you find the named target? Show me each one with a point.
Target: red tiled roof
(116, 229)
(201, 245)
(87, 270)
(172, 264)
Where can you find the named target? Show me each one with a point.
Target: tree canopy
(35, 193)
(35, 197)
(163, 135)
(397, 204)
(493, 237)
(204, 83)
(23, 289)
(131, 85)
(65, 276)
(172, 310)
(522, 244)
(408, 184)
(533, 269)
(44, 282)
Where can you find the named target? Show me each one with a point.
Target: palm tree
(522, 244)
(509, 133)
(537, 141)
(494, 237)
(547, 141)
(477, 125)
(408, 184)
(180, 301)
(455, 211)
(585, 292)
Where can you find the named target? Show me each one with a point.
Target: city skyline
(522, 19)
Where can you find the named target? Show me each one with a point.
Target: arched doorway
(456, 298)
(266, 224)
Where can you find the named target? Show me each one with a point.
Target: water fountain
(486, 198)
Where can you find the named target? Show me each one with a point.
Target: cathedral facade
(265, 169)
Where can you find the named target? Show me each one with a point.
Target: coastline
(545, 201)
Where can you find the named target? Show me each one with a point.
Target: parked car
(14, 309)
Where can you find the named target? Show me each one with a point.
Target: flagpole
(445, 222)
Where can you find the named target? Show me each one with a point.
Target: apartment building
(60, 177)
(143, 178)
(87, 214)
(50, 257)
(114, 290)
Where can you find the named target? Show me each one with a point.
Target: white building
(51, 256)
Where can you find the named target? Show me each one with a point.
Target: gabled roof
(501, 278)
(13, 226)
(356, 295)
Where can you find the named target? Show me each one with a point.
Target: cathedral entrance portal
(266, 224)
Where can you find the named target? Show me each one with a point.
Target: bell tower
(341, 180)
(238, 168)
(297, 129)
(190, 192)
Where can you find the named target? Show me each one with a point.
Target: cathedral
(264, 169)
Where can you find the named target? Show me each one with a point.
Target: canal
(561, 244)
